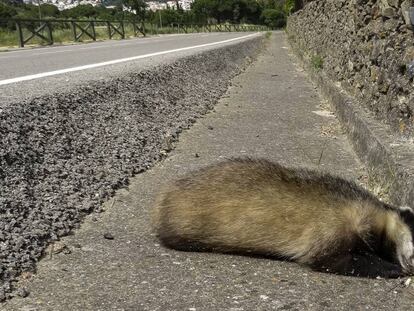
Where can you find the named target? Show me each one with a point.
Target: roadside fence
(48, 32)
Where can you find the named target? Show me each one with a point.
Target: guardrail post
(20, 32)
(144, 31)
(73, 25)
(93, 30)
(108, 25)
(122, 30)
(49, 30)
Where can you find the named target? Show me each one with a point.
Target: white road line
(112, 62)
(77, 47)
(74, 48)
(94, 45)
(103, 43)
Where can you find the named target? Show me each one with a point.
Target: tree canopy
(136, 6)
(269, 12)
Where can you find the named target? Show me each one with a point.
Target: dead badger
(257, 207)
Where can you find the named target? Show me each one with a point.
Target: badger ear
(406, 208)
(407, 215)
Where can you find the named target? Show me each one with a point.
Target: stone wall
(368, 46)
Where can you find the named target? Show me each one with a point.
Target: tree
(205, 9)
(227, 10)
(79, 11)
(136, 6)
(27, 11)
(168, 16)
(250, 11)
(289, 7)
(273, 18)
(298, 4)
(49, 10)
(6, 12)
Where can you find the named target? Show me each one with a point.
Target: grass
(268, 34)
(317, 62)
(8, 38)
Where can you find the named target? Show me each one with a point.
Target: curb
(389, 160)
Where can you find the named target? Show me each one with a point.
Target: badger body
(257, 207)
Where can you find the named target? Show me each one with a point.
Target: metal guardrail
(28, 29)
(186, 28)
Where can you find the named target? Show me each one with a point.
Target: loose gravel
(63, 155)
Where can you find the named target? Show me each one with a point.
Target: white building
(155, 5)
(186, 4)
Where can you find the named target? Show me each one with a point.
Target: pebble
(108, 236)
(23, 292)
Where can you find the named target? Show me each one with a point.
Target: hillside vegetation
(272, 13)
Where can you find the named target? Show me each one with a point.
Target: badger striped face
(403, 237)
(405, 253)
(407, 215)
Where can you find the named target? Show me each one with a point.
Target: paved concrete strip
(270, 111)
(117, 61)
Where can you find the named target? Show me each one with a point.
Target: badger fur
(257, 207)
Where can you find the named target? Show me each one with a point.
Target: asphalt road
(20, 63)
(95, 63)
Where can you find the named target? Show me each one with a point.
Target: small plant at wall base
(317, 62)
(268, 34)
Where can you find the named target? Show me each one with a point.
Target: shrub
(273, 18)
(317, 62)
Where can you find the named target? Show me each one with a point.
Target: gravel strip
(63, 155)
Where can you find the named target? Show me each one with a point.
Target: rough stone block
(408, 55)
(394, 3)
(374, 73)
(405, 9)
(389, 12)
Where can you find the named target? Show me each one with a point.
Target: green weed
(317, 62)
